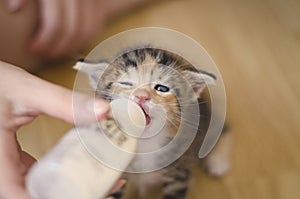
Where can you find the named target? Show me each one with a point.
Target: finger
(66, 43)
(87, 19)
(14, 191)
(24, 119)
(14, 5)
(27, 159)
(50, 26)
(91, 24)
(12, 168)
(39, 96)
(67, 105)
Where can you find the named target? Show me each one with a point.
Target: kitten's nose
(141, 95)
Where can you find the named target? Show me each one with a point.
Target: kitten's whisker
(187, 104)
(176, 118)
(181, 118)
(193, 126)
(171, 122)
(188, 121)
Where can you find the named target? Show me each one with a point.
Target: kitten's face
(156, 80)
(149, 85)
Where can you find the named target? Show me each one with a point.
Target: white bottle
(72, 170)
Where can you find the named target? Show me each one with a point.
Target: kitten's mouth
(148, 118)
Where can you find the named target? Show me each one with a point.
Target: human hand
(22, 98)
(64, 26)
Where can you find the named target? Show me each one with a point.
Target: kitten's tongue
(148, 118)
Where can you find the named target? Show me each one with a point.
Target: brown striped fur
(164, 78)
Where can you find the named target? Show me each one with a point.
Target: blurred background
(256, 45)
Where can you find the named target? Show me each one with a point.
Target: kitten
(153, 77)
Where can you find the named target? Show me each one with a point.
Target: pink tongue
(148, 119)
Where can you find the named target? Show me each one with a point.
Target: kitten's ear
(93, 71)
(199, 80)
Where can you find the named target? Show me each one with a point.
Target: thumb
(60, 102)
(70, 106)
(32, 95)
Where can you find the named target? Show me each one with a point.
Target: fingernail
(101, 108)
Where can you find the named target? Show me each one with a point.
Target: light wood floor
(256, 45)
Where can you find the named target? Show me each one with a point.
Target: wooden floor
(256, 45)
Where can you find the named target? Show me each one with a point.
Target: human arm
(66, 26)
(22, 98)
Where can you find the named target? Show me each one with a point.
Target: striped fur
(152, 71)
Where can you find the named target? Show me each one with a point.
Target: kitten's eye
(161, 88)
(126, 84)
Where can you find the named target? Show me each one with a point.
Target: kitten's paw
(217, 165)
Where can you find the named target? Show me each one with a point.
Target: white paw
(217, 165)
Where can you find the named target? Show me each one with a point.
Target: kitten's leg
(175, 183)
(217, 162)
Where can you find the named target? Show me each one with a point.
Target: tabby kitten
(152, 77)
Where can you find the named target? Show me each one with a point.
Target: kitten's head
(150, 77)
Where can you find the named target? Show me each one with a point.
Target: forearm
(28, 35)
